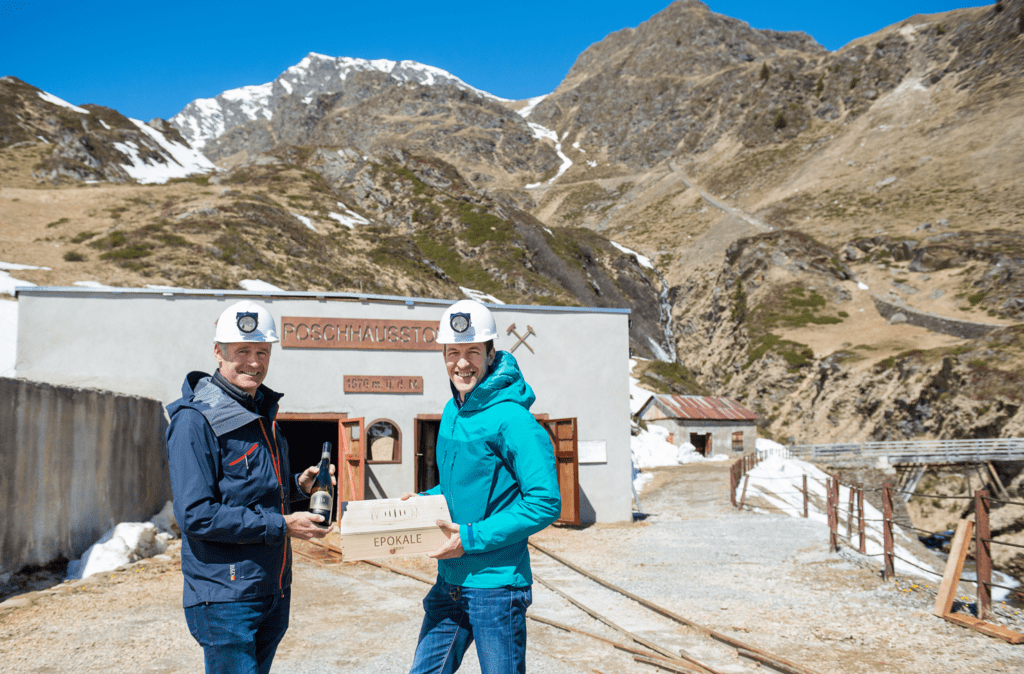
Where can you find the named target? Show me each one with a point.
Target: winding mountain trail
(725, 208)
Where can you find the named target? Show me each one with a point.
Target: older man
(497, 473)
(232, 487)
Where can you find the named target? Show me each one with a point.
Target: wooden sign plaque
(299, 332)
(392, 527)
(369, 383)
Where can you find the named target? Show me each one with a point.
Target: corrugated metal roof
(703, 407)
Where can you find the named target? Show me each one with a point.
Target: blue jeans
(240, 637)
(456, 616)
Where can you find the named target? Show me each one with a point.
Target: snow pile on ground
(778, 481)
(766, 448)
(7, 282)
(8, 337)
(255, 285)
(651, 449)
(126, 543)
(637, 396)
(480, 296)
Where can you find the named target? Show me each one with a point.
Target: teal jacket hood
(504, 383)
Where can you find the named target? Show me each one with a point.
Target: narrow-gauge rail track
(651, 634)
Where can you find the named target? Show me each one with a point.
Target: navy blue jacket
(232, 485)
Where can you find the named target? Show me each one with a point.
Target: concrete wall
(75, 462)
(721, 433)
(579, 366)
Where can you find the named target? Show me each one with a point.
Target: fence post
(743, 496)
(805, 496)
(860, 517)
(887, 553)
(983, 552)
(849, 514)
(732, 484)
(830, 509)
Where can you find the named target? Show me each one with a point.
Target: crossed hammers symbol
(522, 340)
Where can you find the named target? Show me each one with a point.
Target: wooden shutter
(563, 439)
(351, 460)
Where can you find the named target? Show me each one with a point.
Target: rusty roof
(703, 407)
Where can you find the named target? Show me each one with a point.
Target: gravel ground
(767, 580)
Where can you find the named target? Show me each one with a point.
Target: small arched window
(383, 442)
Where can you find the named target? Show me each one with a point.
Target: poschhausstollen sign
(392, 527)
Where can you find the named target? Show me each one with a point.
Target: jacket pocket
(245, 456)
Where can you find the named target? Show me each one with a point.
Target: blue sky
(149, 59)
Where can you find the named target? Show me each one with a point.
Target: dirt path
(767, 580)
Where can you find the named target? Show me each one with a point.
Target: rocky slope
(767, 179)
(89, 143)
(375, 113)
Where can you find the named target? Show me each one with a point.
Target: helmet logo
(247, 321)
(460, 322)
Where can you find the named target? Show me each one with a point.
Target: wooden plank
(392, 527)
(954, 567)
(998, 482)
(670, 665)
(988, 629)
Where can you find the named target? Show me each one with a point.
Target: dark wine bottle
(321, 497)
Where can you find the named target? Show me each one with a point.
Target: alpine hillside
(832, 238)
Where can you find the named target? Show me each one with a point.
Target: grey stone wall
(933, 322)
(75, 462)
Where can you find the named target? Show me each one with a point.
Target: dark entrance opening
(701, 442)
(427, 428)
(306, 440)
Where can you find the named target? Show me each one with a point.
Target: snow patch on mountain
(642, 259)
(542, 132)
(50, 98)
(531, 103)
(204, 119)
(350, 219)
(181, 160)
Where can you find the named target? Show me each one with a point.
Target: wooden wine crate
(392, 527)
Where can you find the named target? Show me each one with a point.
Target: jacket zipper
(275, 456)
(245, 456)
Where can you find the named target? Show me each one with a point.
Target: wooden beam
(954, 567)
(998, 482)
(988, 629)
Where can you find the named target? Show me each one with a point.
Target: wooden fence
(854, 525)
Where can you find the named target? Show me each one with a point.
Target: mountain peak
(204, 119)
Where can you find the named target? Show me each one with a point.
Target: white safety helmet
(245, 321)
(466, 321)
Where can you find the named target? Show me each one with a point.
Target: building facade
(711, 424)
(361, 371)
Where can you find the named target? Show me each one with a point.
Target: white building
(710, 423)
(360, 371)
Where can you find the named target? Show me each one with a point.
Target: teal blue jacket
(497, 472)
